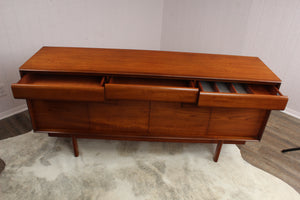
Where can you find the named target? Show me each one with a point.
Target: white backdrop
(26, 26)
(269, 29)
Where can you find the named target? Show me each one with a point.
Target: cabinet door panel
(236, 122)
(178, 120)
(114, 116)
(60, 115)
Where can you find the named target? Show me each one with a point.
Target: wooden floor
(15, 125)
(282, 131)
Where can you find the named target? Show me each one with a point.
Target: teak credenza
(148, 95)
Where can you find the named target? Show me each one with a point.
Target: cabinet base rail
(76, 149)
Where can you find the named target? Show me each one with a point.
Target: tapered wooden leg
(218, 150)
(75, 146)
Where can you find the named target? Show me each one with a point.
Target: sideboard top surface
(149, 63)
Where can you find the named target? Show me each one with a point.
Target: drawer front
(178, 120)
(113, 117)
(75, 88)
(255, 96)
(242, 101)
(150, 93)
(151, 90)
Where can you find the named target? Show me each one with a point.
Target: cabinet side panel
(31, 113)
(178, 120)
(120, 115)
(236, 122)
(53, 115)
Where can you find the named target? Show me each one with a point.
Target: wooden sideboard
(148, 95)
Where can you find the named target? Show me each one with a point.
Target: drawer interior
(72, 81)
(151, 82)
(238, 88)
(148, 89)
(59, 87)
(91, 88)
(61, 80)
(240, 95)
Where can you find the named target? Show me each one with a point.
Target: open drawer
(217, 94)
(151, 89)
(58, 87)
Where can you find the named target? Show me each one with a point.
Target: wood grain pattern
(143, 119)
(56, 87)
(234, 100)
(151, 89)
(121, 136)
(63, 115)
(150, 63)
(130, 94)
(281, 133)
(131, 116)
(236, 122)
(127, 135)
(178, 120)
(151, 93)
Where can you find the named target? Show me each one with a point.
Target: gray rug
(39, 167)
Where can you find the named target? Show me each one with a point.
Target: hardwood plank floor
(15, 125)
(282, 131)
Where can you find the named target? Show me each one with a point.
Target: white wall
(269, 29)
(26, 26)
(210, 26)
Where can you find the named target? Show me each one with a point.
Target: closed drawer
(234, 95)
(59, 87)
(151, 89)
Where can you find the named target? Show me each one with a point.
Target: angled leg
(218, 150)
(75, 146)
